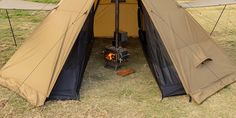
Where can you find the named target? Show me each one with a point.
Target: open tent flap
(69, 81)
(206, 3)
(158, 58)
(25, 5)
(35, 67)
(189, 46)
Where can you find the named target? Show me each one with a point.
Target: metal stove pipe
(117, 19)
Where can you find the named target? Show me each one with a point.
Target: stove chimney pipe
(117, 19)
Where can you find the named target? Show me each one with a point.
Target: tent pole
(139, 14)
(117, 8)
(218, 20)
(12, 32)
(96, 7)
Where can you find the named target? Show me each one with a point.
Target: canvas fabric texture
(203, 68)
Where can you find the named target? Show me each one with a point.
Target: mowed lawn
(104, 94)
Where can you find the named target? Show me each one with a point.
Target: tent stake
(218, 20)
(12, 32)
(190, 99)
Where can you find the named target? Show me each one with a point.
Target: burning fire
(110, 56)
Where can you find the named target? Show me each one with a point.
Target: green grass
(104, 94)
(45, 1)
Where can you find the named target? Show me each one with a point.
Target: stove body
(115, 57)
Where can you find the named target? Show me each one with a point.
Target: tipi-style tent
(180, 53)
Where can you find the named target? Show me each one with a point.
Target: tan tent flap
(203, 67)
(25, 5)
(34, 68)
(207, 3)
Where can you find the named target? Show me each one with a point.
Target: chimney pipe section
(117, 19)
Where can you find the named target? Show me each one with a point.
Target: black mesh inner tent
(157, 56)
(70, 78)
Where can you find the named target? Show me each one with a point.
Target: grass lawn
(104, 94)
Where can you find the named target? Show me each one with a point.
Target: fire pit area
(115, 56)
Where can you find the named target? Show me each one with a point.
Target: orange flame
(110, 56)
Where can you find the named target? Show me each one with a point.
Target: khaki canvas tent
(180, 53)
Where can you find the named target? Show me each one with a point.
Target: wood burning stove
(115, 55)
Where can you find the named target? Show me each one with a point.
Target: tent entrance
(160, 64)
